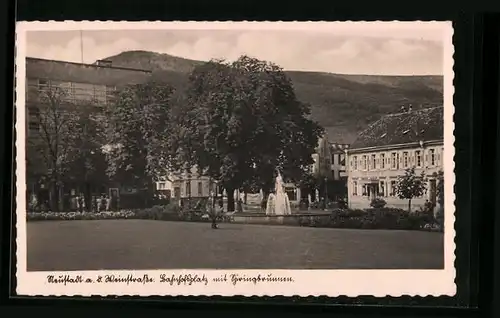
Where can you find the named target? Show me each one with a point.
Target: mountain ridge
(343, 104)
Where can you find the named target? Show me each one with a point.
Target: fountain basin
(290, 219)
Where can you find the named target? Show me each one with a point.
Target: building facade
(338, 152)
(189, 184)
(387, 148)
(80, 85)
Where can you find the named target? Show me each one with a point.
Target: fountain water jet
(278, 204)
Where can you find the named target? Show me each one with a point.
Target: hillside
(343, 104)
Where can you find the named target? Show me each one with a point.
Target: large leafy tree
(89, 167)
(138, 130)
(242, 122)
(410, 186)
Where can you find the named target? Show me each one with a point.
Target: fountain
(278, 204)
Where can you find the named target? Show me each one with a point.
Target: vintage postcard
(235, 158)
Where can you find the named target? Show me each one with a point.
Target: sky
(371, 49)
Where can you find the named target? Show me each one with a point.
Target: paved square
(143, 244)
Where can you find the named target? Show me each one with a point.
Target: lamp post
(326, 191)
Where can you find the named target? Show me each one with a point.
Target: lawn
(141, 244)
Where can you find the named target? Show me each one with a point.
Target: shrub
(440, 218)
(159, 212)
(342, 204)
(378, 203)
(383, 218)
(356, 213)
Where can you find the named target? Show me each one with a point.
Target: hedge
(374, 218)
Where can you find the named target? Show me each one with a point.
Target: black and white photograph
(235, 158)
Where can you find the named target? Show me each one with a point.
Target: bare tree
(57, 143)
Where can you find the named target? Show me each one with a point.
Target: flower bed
(374, 218)
(46, 216)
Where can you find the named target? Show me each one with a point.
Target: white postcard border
(330, 283)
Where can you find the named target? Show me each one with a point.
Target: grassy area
(143, 244)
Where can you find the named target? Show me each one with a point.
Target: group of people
(98, 203)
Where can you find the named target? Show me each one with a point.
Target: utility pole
(81, 45)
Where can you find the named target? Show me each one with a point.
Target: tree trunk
(263, 202)
(409, 205)
(60, 196)
(230, 200)
(87, 197)
(245, 198)
(51, 198)
(54, 197)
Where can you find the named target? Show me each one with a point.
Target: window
(418, 158)
(354, 188)
(33, 112)
(355, 162)
(382, 188)
(33, 126)
(342, 159)
(433, 156)
(393, 160)
(405, 159)
(365, 162)
(188, 188)
(83, 92)
(200, 189)
(393, 188)
(161, 185)
(43, 86)
(382, 161)
(374, 162)
(43, 82)
(100, 94)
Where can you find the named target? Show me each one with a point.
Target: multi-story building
(83, 85)
(387, 148)
(190, 185)
(338, 152)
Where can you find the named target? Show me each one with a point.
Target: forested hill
(343, 104)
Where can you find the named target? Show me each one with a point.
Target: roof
(338, 148)
(402, 128)
(84, 73)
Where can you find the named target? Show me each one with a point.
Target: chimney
(107, 63)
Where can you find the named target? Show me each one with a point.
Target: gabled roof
(413, 126)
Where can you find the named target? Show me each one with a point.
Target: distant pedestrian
(213, 212)
(239, 206)
(103, 203)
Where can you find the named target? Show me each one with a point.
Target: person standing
(212, 211)
(240, 205)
